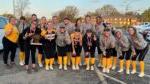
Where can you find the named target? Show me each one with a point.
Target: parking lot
(17, 75)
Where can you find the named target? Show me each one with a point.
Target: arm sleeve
(67, 38)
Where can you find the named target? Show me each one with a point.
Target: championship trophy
(36, 40)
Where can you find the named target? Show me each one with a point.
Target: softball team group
(63, 42)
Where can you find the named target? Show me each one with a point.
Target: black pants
(62, 51)
(140, 54)
(108, 53)
(78, 50)
(113, 52)
(69, 48)
(30, 49)
(9, 47)
(126, 55)
(91, 52)
(49, 50)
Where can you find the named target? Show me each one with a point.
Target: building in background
(121, 20)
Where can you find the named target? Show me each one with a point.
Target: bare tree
(107, 10)
(69, 11)
(91, 13)
(146, 15)
(20, 6)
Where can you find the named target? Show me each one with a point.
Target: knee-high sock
(47, 61)
(108, 60)
(87, 60)
(65, 60)
(121, 64)
(51, 61)
(128, 64)
(78, 60)
(92, 60)
(39, 58)
(114, 61)
(68, 57)
(134, 65)
(142, 66)
(104, 62)
(73, 60)
(60, 60)
(111, 61)
(21, 56)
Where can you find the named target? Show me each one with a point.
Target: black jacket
(28, 39)
(85, 44)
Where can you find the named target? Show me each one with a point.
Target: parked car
(144, 28)
(3, 22)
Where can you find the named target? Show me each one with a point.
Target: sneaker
(21, 63)
(92, 67)
(141, 75)
(60, 66)
(40, 65)
(104, 70)
(51, 67)
(107, 70)
(127, 71)
(133, 71)
(47, 68)
(65, 67)
(80, 64)
(121, 70)
(77, 67)
(87, 67)
(73, 67)
(114, 67)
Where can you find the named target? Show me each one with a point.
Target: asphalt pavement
(18, 75)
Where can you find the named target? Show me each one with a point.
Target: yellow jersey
(13, 37)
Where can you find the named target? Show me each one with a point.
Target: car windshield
(2, 22)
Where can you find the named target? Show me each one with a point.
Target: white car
(3, 21)
(144, 28)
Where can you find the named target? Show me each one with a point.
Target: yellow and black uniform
(21, 28)
(63, 39)
(106, 45)
(28, 47)
(113, 60)
(89, 45)
(49, 45)
(124, 50)
(76, 39)
(10, 42)
(140, 47)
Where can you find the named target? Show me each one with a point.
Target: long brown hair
(135, 31)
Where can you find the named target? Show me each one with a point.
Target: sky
(49, 7)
